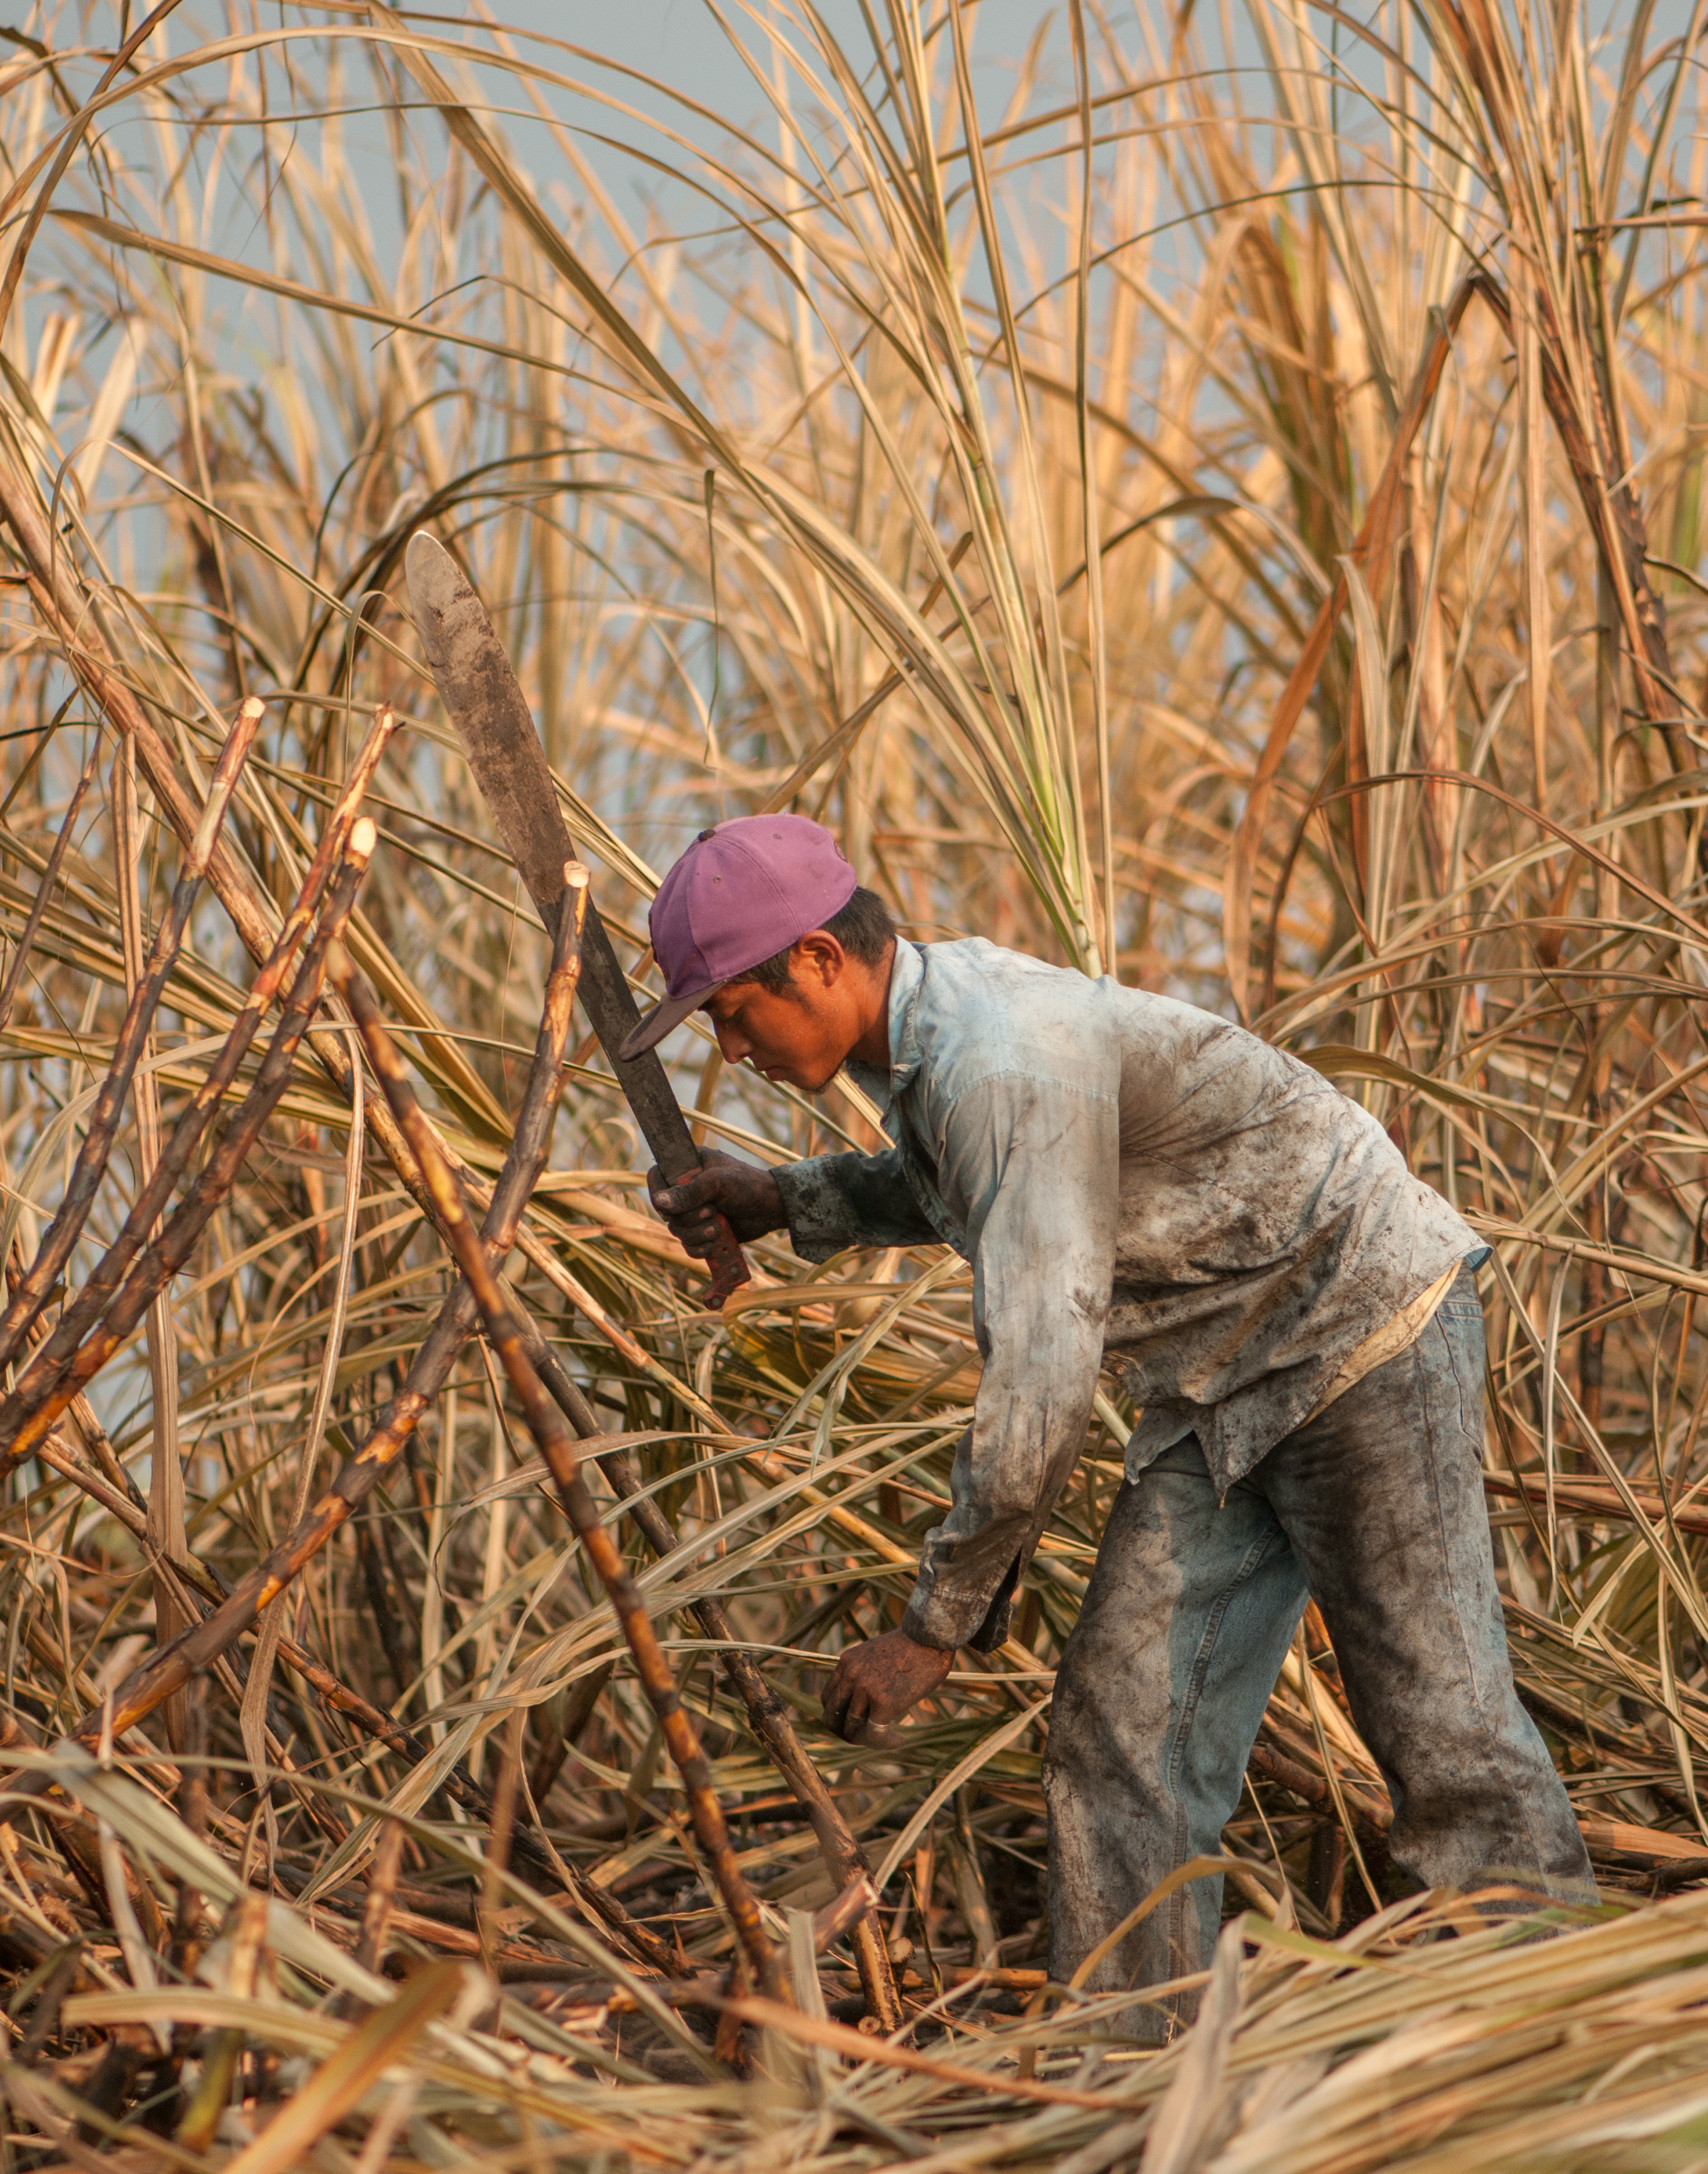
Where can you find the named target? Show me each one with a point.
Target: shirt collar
(905, 975)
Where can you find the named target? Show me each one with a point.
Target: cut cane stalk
(25, 1419)
(768, 1715)
(196, 1649)
(62, 1232)
(46, 1369)
(555, 1444)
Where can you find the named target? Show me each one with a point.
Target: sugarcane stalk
(202, 1589)
(55, 596)
(768, 1715)
(57, 600)
(196, 1648)
(546, 1425)
(50, 877)
(74, 617)
(24, 1418)
(63, 1233)
(47, 1366)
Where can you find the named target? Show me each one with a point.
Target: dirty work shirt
(1126, 1175)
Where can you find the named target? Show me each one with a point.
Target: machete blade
(486, 704)
(490, 713)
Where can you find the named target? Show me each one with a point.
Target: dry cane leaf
(338, 2085)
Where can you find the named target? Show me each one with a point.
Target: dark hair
(864, 928)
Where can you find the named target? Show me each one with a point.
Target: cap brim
(659, 1021)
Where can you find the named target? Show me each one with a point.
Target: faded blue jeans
(1374, 1509)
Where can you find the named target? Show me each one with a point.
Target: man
(1295, 1313)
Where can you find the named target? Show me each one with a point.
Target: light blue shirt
(1127, 1176)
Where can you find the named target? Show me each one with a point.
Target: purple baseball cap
(740, 893)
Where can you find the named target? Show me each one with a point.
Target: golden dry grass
(972, 456)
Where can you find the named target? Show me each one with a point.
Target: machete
(493, 722)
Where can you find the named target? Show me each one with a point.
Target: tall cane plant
(1213, 502)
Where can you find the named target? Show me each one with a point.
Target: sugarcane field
(854, 1087)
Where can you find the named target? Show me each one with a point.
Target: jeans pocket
(1455, 1365)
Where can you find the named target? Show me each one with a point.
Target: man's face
(799, 1034)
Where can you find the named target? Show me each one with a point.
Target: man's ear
(818, 958)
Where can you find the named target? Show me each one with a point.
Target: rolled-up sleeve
(1037, 1162)
(833, 1201)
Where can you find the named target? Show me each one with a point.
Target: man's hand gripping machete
(493, 721)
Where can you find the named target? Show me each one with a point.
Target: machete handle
(728, 1263)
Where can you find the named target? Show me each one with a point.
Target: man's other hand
(874, 1685)
(746, 1194)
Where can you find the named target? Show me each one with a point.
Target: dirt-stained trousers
(1376, 1509)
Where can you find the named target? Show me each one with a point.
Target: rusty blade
(493, 721)
(496, 727)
